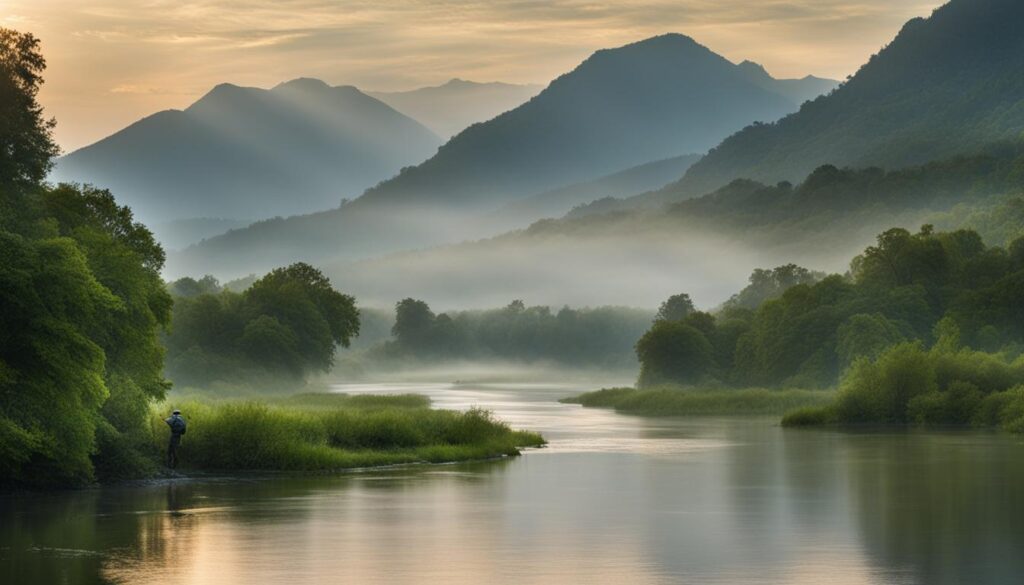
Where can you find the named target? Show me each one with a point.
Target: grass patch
(333, 432)
(672, 402)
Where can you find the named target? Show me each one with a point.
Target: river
(613, 499)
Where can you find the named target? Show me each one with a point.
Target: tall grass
(333, 432)
(674, 402)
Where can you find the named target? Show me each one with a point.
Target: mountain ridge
(647, 101)
(946, 85)
(245, 153)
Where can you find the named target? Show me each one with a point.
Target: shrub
(809, 416)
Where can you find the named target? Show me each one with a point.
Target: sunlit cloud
(191, 45)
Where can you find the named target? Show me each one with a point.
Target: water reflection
(614, 499)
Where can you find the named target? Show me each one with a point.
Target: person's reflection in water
(173, 505)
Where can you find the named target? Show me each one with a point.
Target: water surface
(613, 499)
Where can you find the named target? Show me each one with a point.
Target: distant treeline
(597, 337)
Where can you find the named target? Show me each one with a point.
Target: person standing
(178, 426)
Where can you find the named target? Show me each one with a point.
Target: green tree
(676, 308)
(79, 354)
(26, 137)
(414, 322)
(673, 352)
(302, 298)
(765, 285)
(285, 325)
(866, 336)
(51, 369)
(189, 287)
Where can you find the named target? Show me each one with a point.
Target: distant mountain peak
(243, 152)
(754, 68)
(303, 84)
(669, 43)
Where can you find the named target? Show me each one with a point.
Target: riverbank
(676, 402)
(326, 432)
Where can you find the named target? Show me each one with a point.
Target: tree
(765, 285)
(26, 138)
(676, 308)
(51, 369)
(189, 287)
(414, 322)
(301, 298)
(866, 336)
(285, 325)
(673, 352)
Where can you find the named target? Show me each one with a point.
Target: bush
(940, 386)
(809, 416)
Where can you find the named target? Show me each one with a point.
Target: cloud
(194, 44)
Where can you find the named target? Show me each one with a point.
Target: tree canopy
(27, 148)
(287, 324)
(899, 289)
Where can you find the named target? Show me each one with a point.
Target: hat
(176, 411)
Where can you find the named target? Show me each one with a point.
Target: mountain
(450, 108)
(181, 233)
(662, 97)
(705, 246)
(948, 84)
(246, 153)
(557, 202)
(796, 90)
(648, 101)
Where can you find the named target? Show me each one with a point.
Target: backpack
(178, 425)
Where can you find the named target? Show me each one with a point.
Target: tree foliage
(83, 304)
(287, 324)
(80, 353)
(26, 137)
(905, 287)
(675, 308)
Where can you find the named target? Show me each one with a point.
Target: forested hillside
(949, 84)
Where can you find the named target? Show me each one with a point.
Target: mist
(626, 263)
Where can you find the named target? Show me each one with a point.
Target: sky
(112, 62)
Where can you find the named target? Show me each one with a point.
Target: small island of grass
(326, 432)
(680, 402)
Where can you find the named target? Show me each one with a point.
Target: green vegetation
(284, 326)
(322, 432)
(999, 220)
(898, 290)
(944, 385)
(578, 337)
(837, 200)
(80, 358)
(678, 402)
